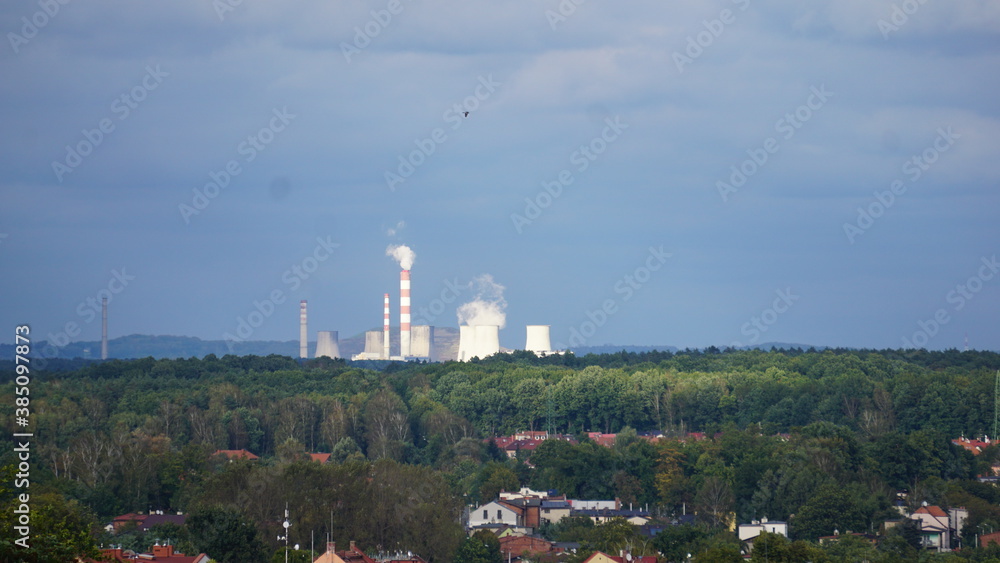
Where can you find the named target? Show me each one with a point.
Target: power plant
(480, 322)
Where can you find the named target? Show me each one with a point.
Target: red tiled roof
(243, 454)
(322, 458)
(974, 446)
(934, 511)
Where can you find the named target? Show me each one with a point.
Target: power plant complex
(477, 339)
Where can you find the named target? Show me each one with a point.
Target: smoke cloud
(488, 307)
(402, 254)
(393, 231)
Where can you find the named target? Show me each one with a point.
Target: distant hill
(144, 346)
(613, 349)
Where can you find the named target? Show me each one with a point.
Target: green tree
(60, 529)
(481, 547)
(226, 536)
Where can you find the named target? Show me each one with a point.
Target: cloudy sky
(687, 173)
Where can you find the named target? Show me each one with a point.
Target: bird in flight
(466, 114)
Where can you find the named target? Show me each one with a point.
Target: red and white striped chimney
(385, 329)
(404, 313)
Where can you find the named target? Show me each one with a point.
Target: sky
(685, 173)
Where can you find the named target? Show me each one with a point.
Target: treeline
(855, 426)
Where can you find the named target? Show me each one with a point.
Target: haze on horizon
(686, 173)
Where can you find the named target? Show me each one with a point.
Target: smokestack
(487, 340)
(303, 331)
(538, 340)
(385, 328)
(466, 342)
(328, 344)
(104, 328)
(404, 313)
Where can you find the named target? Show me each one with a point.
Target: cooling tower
(104, 328)
(385, 328)
(487, 340)
(422, 341)
(466, 343)
(404, 313)
(327, 344)
(373, 344)
(303, 331)
(538, 340)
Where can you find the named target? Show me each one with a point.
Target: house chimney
(331, 547)
(353, 549)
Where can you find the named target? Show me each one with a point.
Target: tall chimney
(104, 328)
(404, 313)
(303, 331)
(385, 328)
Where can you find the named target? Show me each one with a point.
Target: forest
(825, 440)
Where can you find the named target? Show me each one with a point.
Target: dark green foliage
(856, 426)
(226, 536)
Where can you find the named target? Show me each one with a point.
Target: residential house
(143, 522)
(749, 532)
(935, 529)
(555, 510)
(596, 504)
(350, 555)
(624, 557)
(992, 538)
(496, 512)
(158, 553)
(321, 458)
(606, 440)
(513, 546)
(237, 454)
(972, 445)
(634, 517)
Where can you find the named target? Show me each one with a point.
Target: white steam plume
(393, 231)
(488, 307)
(402, 254)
